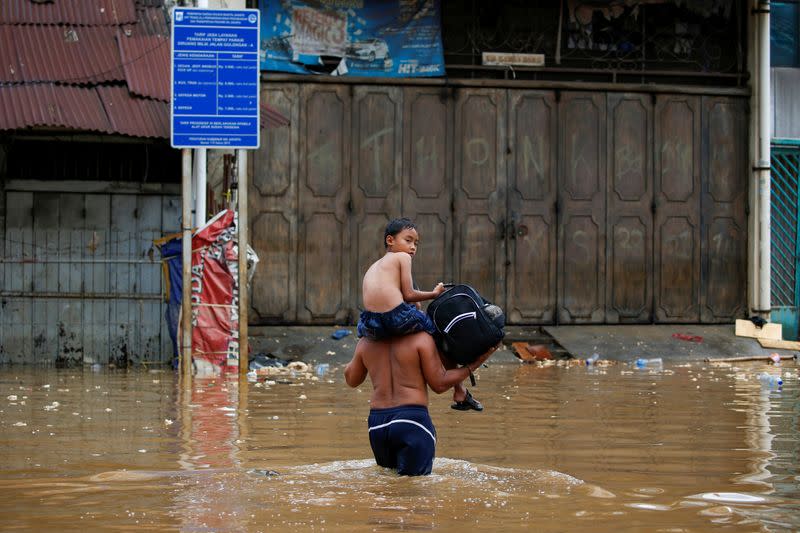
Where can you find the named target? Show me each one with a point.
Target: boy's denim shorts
(402, 320)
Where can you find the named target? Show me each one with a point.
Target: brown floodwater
(690, 447)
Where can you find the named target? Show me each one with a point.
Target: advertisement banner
(214, 291)
(399, 38)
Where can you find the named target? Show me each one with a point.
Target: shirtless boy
(401, 433)
(388, 292)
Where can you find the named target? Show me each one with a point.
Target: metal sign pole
(186, 283)
(241, 168)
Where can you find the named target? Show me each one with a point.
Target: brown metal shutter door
(533, 131)
(582, 217)
(629, 280)
(274, 219)
(324, 194)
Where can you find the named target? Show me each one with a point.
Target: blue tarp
(400, 38)
(171, 255)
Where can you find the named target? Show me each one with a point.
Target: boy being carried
(388, 292)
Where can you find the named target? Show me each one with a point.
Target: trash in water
(768, 380)
(263, 472)
(775, 358)
(322, 368)
(266, 360)
(530, 353)
(593, 359)
(687, 337)
(655, 362)
(340, 334)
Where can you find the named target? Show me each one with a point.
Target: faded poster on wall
(399, 38)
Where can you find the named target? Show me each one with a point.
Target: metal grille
(785, 176)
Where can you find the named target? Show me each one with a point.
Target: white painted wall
(226, 4)
(785, 103)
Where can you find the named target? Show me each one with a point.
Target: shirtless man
(401, 369)
(388, 294)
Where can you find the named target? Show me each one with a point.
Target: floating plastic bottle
(768, 380)
(655, 362)
(593, 359)
(322, 368)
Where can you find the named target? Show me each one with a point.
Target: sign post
(215, 78)
(215, 104)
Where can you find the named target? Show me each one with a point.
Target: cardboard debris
(531, 352)
(745, 328)
(779, 344)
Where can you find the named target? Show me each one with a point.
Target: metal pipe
(200, 170)
(81, 295)
(762, 167)
(201, 179)
(34, 261)
(186, 280)
(241, 167)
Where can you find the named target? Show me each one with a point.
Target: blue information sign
(215, 78)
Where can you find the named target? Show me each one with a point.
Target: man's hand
(476, 364)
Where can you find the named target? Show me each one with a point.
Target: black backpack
(467, 325)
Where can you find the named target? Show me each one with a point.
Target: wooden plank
(745, 328)
(779, 345)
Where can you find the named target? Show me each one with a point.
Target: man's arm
(355, 372)
(440, 379)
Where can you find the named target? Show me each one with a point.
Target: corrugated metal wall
(79, 279)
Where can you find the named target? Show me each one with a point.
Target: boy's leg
(463, 400)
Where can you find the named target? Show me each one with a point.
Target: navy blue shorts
(402, 320)
(403, 438)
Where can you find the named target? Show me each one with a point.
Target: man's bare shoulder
(420, 341)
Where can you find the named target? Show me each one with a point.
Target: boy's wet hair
(396, 226)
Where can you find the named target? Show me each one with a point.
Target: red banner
(215, 292)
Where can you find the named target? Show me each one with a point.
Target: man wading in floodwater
(401, 369)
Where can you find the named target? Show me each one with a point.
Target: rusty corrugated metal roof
(138, 117)
(102, 109)
(67, 54)
(52, 106)
(62, 65)
(80, 12)
(146, 60)
(151, 21)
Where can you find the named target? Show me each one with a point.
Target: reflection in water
(598, 449)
